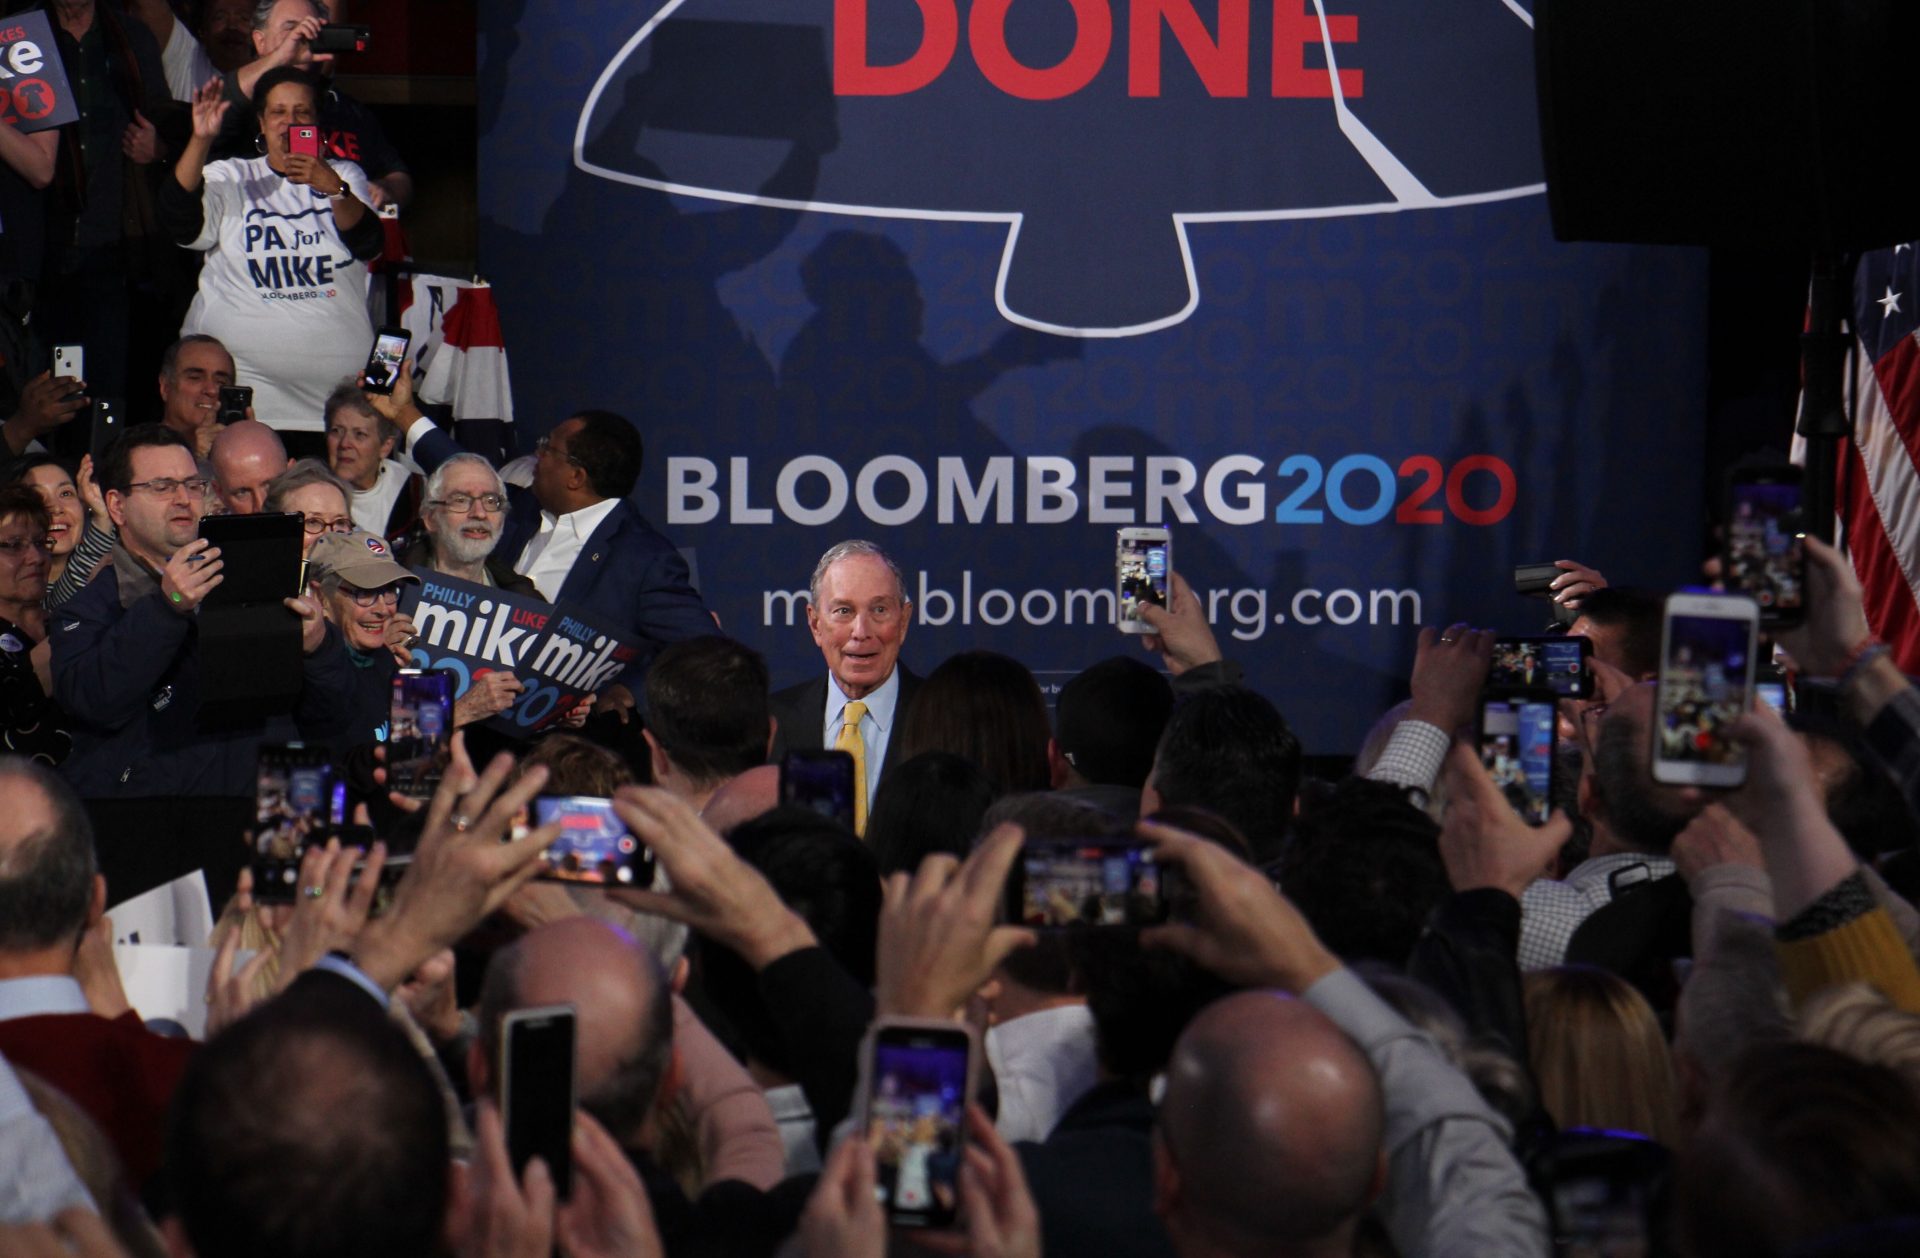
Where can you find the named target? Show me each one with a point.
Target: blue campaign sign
(987, 281)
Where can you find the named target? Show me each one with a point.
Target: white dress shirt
(40, 994)
(550, 553)
(36, 1179)
(1042, 1063)
(876, 727)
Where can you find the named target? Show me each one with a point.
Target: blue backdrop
(985, 282)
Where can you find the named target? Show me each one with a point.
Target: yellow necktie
(851, 742)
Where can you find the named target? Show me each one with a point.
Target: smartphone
(70, 360)
(298, 799)
(234, 401)
(916, 1079)
(1555, 662)
(537, 1090)
(1766, 552)
(594, 844)
(1517, 745)
(821, 780)
(1535, 579)
(106, 428)
(1143, 564)
(303, 140)
(383, 361)
(419, 730)
(1066, 884)
(1601, 1188)
(342, 37)
(1707, 649)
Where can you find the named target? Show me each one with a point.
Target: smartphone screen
(419, 730)
(915, 1113)
(1059, 884)
(536, 1090)
(298, 799)
(1143, 558)
(1516, 746)
(1706, 684)
(1555, 663)
(384, 360)
(1766, 547)
(820, 780)
(594, 844)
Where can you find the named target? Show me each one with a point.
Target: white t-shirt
(280, 289)
(186, 63)
(371, 507)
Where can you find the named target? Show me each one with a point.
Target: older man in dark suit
(859, 613)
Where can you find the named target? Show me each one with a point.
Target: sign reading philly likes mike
(984, 281)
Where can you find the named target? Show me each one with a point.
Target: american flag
(1877, 496)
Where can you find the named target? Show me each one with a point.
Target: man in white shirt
(579, 539)
(859, 614)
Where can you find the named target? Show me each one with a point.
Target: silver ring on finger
(312, 893)
(461, 822)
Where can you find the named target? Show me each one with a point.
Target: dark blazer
(800, 710)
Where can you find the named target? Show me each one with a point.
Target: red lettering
(1221, 64)
(1296, 27)
(854, 75)
(1092, 36)
(343, 144)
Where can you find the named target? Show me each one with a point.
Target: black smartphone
(1556, 662)
(342, 37)
(537, 1090)
(1517, 745)
(106, 428)
(918, 1077)
(1707, 660)
(820, 780)
(299, 798)
(259, 555)
(594, 846)
(1535, 579)
(1766, 553)
(1601, 1188)
(419, 730)
(235, 399)
(1067, 884)
(385, 359)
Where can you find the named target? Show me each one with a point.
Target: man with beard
(465, 505)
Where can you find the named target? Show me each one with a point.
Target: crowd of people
(1367, 1013)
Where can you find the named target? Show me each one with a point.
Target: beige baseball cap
(358, 558)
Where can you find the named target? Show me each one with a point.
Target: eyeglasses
(461, 504)
(166, 486)
(13, 547)
(367, 598)
(545, 446)
(315, 525)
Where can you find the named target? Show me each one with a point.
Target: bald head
(744, 798)
(245, 457)
(1270, 1130)
(624, 1034)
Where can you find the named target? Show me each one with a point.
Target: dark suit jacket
(801, 710)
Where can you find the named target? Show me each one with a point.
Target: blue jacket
(129, 678)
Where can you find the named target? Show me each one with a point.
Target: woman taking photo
(30, 723)
(80, 534)
(286, 237)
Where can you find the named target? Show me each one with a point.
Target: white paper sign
(170, 982)
(177, 913)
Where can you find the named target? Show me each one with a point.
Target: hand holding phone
(303, 141)
(1143, 561)
(419, 731)
(299, 800)
(594, 846)
(235, 401)
(1560, 663)
(385, 359)
(1517, 742)
(1765, 555)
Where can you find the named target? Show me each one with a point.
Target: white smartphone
(70, 360)
(1707, 648)
(1143, 571)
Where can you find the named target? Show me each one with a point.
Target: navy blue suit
(628, 573)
